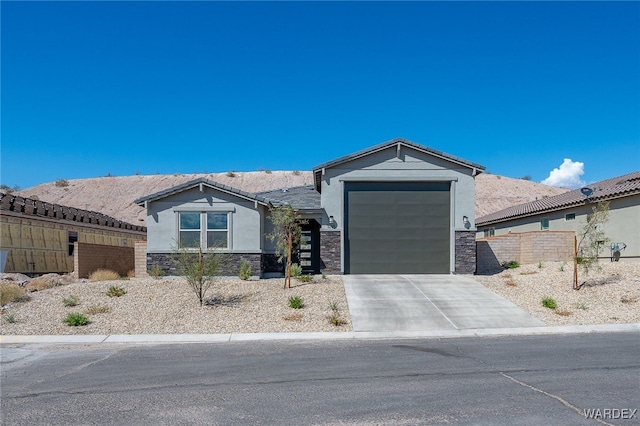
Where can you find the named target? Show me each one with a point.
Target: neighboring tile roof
(31, 207)
(196, 182)
(318, 169)
(300, 197)
(617, 187)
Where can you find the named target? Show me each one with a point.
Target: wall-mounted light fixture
(332, 221)
(465, 222)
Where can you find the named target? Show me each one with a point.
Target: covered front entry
(397, 227)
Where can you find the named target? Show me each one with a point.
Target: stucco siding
(244, 223)
(623, 225)
(412, 165)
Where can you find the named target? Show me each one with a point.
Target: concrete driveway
(428, 302)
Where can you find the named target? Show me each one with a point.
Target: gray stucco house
(568, 212)
(397, 207)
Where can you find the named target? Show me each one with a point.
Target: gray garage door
(397, 228)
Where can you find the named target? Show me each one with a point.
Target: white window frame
(204, 231)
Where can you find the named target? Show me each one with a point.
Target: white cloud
(567, 175)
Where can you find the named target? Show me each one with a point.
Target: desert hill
(114, 195)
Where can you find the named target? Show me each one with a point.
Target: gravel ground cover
(609, 296)
(169, 306)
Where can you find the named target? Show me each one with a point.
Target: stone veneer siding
(231, 268)
(330, 252)
(465, 252)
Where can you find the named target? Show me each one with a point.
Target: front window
(544, 223)
(217, 230)
(207, 230)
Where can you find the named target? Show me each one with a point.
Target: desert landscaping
(168, 305)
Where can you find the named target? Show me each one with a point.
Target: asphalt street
(508, 380)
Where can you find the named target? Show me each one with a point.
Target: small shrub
(582, 306)
(97, 309)
(296, 302)
(629, 299)
(305, 278)
(10, 318)
(62, 183)
(549, 302)
(245, 270)
(11, 292)
(540, 265)
(296, 172)
(562, 267)
(334, 306)
(324, 276)
(231, 174)
(156, 271)
(296, 270)
(104, 275)
(71, 301)
(336, 320)
(511, 264)
(75, 319)
(131, 274)
(562, 312)
(115, 291)
(268, 171)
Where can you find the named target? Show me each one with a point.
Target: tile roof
(317, 170)
(617, 187)
(300, 197)
(31, 207)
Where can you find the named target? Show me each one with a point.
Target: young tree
(590, 240)
(201, 271)
(286, 235)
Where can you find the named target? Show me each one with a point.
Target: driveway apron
(428, 302)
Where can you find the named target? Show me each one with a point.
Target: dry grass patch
(562, 312)
(511, 283)
(11, 292)
(528, 273)
(103, 275)
(97, 309)
(294, 317)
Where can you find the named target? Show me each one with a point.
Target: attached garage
(397, 227)
(398, 208)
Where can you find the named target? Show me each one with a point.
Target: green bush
(10, 318)
(296, 270)
(296, 302)
(245, 270)
(549, 302)
(75, 319)
(156, 271)
(115, 291)
(71, 301)
(511, 264)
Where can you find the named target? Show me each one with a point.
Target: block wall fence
(525, 247)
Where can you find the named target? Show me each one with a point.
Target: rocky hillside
(114, 196)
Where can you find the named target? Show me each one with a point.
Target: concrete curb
(361, 335)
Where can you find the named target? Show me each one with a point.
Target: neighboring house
(39, 237)
(568, 212)
(397, 207)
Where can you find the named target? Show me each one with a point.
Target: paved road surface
(522, 380)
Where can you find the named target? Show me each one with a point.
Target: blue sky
(97, 88)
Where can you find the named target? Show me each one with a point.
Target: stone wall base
(465, 252)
